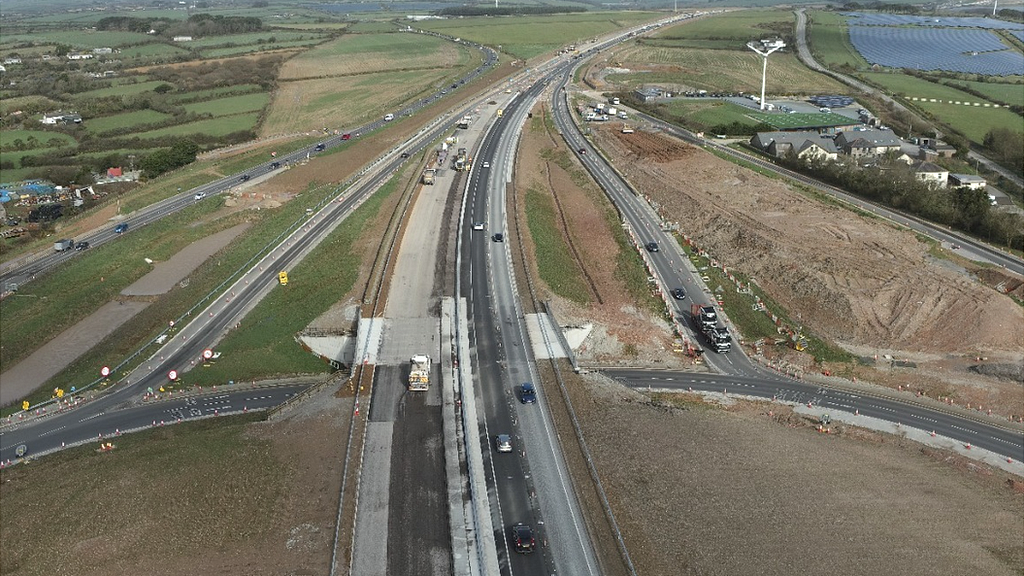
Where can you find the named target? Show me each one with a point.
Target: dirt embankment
(862, 283)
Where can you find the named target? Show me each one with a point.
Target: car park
(678, 293)
(503, 443)
(652, 246)
(83, 245)
(527, 393)
(498, 237)
(121, 228)
(522, 539)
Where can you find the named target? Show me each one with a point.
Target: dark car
(522, 538)
(346, 136)
(83, 245)
(121, 228)
(583, 151)
(243, 178)
(499, 237)
(405, 154)
(679, 294)
(275, 165)
(652, 246)
(527, 394)
(320, 147)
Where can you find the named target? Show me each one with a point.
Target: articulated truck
(705, 320)
(419, 372)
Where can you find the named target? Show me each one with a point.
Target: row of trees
(196, 25)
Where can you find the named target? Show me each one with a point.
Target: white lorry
(419, 372)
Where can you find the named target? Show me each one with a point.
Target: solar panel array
(862, 19)
(1019, 34)
(955, 50)
(831, 101)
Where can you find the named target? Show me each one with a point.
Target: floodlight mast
(764, 48)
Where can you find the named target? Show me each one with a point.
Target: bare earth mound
(859, 282)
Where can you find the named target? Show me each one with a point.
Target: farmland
(529, 36)
(373, 53)
(829, 40)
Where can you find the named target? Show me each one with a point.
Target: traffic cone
(161, 422)
(968, 445)
(216, 412)
(933, 433)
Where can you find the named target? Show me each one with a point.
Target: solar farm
(964, 45)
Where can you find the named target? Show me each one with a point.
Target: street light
(764, 48)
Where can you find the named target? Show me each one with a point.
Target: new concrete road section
(212, 323)
(23, 270)
(979, 432)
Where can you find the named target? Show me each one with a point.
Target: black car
(527, 394)
(499, 237)
(652, 246)
(83, 245)
(243, 178)
(679, 294)
(522, 538)
(275, 165)
(583, 151)
(405, 154)
(320, 147)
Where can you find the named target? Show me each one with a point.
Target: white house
(79, 56)
(182, 38)
(868, 142)
(966, 181)
(931, 174)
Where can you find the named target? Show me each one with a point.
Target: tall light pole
(764, 48)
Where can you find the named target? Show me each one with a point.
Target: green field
(230, 105)
(555, 263)
(973, 121)
(264, 37)
(256, 48)
(1012, 94)
(120, 90)
(199, 95)
(529, 36)
(219, 126)
(740, 26)
(829, 41)
(80, 39)
(155, 52)
(139, 117)
(721, 71)
(33, 139)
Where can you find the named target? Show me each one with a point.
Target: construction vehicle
(499, 112)
(704, 316)
(428, 176)
(462, 161)
(63, 245)
(465, 122)
(719, 338)
(419, 372)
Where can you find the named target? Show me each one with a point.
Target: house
(931, 174)
(60, 118)
(14, 60)
(966, 181)
(79, 56)
(102, 50)
(806, 145)
(867, 142)
(937, 147)
(114, 172)
(182, 38)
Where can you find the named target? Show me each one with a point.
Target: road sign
(207, 354)
(172, 375)
(283, 278)
(105, 371)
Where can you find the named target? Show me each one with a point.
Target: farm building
(647, 94)
(806, 145)
(182, 38)
(971, 181)
(61, 118)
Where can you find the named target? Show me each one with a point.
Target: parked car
(503, 442)
(83, 245)
(679, 293)
(522, 538)
(652, 246)
(527, 393)
(121, 228)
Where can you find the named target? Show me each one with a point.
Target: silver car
(503, 442)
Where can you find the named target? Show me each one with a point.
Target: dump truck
(465, 122)
(462, 160)
(419, 372)
(704, 316)
(428, 176)
(63, 245)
